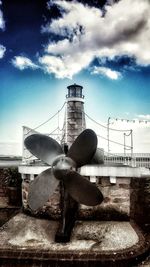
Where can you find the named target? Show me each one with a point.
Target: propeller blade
(41, 189)
(43, 147)
(83, 148)
(98, 157)
(81, 189)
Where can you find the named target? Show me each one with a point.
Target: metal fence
(137, 160)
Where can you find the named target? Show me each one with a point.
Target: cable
(53, 132)
(60, 134)
(133, 121)
(114, 141)
(128, 134)
(47, 120)
(105, 126)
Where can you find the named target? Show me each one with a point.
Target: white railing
(137, 160)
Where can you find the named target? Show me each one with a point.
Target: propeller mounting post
(69, 208)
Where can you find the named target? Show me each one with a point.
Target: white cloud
(111, 74)
(124, 30)
(2, 27)
(65, 66)
(2, 51)
(144, 117)
(22, 63)
(2, 22)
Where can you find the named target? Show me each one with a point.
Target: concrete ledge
(107, 171)
(26, 241)
(33, 169)
(94, 170)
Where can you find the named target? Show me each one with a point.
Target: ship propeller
(63, 168)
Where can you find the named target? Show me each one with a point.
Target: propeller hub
(61, 165)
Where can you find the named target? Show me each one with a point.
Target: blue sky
(47, 45)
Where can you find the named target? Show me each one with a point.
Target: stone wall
(7, 210)
(3, 183)
(10, 186)
(116, 204)
(140, 202)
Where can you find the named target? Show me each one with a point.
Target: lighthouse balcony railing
(75, 95)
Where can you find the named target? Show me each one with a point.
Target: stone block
(106, 200)
(123, 181)
(119, 200)
(105, 181)
(124, 186)
(2, 192)
(120, 192)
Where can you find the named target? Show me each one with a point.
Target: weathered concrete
(112, 171)
(27, 232)
(93, 170)
(26, 241)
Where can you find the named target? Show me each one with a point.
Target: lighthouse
(74, 122)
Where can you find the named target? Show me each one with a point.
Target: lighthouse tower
(74, 122)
